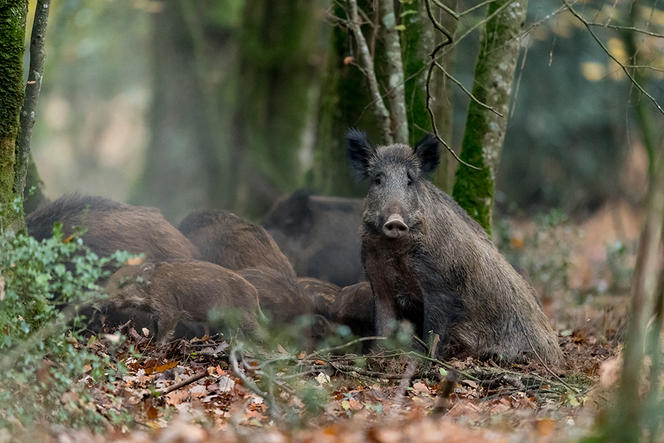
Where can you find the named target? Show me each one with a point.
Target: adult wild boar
(319, 236)
(110, 226)
(183, 291)
(430, 263)
(233, 242)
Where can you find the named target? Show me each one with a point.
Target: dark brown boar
(184, 291)
(111, 226)
(233, 242)
(279, 295)
(430, 263)
(313, 231)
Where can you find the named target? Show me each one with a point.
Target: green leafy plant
(48, 366)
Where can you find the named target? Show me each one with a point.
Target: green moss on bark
(485, 130)
(344, 103)
(12, 46)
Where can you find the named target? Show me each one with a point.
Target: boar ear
(359, 152)
(428, 152)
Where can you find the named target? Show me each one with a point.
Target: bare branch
(448, 40)
(32, 89)
(611, 56)
(625, 28)
(466, 91)
(382, 114)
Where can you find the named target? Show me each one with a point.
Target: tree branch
(611, 56)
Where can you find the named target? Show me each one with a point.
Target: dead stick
(186, 382)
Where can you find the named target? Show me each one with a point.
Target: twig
(466, 91)
(32, 89)
(612, 57)
(549, 370)
(272, 406)
(345, 345)
(626, 28)
(382, 114)
(447, 41)
(347, 369)
(190, 380)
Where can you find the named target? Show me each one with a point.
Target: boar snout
(395, 227)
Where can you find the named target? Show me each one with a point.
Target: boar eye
(378, 179)
(410, 179)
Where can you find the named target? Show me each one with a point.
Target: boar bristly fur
(184, 291)
(110, 226)
(233, 242)
(430, 263)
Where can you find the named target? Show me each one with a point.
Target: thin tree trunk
(629, 418)
(12, 37)
(485, 131)
(32, 89)
(394, 71)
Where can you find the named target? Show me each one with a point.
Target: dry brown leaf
(161, 368)
(2, 288)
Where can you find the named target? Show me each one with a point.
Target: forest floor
(190, 390)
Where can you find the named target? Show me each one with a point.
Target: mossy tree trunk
(344, 103)
(274, 82)
(418, 39)
(485, 130)
(12, 39)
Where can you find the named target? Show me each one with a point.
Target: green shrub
(47, 368)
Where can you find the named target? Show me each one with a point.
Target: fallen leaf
(162, 368)
(322, 378)
(152, 412)
(134, 261)
(421, 388)
(145, 331)
(2, 288)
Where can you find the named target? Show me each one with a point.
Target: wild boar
(184, 291)
(110, 226)
(233, 242)
(319, 236)
(430, 263)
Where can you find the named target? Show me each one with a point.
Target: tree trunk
(345, 102)
(629, 418)
(485, 131)
(394, 71)
(443, 106)
(184, 161)
(274, 82)
(12, 38)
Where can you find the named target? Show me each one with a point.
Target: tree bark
(344, 103)
(394, 71)
(12, 37)
(274, 82)
(29, 110)
(485, 131)
(443, 107)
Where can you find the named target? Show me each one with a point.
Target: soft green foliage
(47, 368)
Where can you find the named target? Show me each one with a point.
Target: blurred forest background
(233, 103)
